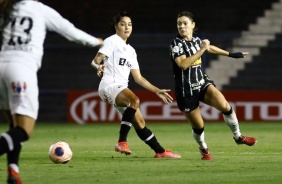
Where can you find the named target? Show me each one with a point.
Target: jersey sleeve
(107, 48)
(176, 48)
(135, 64)
(55, 22)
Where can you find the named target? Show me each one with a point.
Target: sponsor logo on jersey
(197, 62)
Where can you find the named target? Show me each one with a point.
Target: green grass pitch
(95, 161)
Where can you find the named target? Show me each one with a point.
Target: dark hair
(186, 14)
(6, 7)
(118, 17)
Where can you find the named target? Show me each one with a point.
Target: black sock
(11, 125)
(149, 138)
(198, 131)
(13, 156)
(4, 148)
(10, 142)
(127, 118)
(123, 132)
(228, 112)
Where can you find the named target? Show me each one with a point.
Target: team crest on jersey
(175, 49)
(19, 87)
(178, 48)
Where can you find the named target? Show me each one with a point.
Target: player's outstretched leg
(125, 127)
(149, 138)
(231, 120)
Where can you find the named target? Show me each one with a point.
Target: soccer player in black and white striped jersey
(192, 85)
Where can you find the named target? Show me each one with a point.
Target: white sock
(15, 167)
(200, 139)
(232, 121)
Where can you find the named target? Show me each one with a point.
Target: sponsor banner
(87, 107)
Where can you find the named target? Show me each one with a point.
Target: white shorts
(18, 89)
(110, 92)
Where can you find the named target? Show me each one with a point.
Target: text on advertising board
(87, 107)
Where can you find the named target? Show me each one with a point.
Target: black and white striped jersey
(189, 80)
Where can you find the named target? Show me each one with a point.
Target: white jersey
(22, 50)
(24, 36)
(121, 58)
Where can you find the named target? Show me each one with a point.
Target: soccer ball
(60, 152)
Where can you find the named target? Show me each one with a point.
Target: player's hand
(166, 98)
(205, 44)
(100, 70)
(101, 41)
(238, 54)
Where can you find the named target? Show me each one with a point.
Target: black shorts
(189, 102)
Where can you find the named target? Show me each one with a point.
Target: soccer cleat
(250, 141)
(167, 154)
(122, 147)
(13, 177)
(205, 154)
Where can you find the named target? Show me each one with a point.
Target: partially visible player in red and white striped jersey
(24, 24)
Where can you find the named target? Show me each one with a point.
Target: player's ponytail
(6, 7)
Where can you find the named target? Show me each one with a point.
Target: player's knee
(135, 102)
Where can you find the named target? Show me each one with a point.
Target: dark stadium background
(67, 65)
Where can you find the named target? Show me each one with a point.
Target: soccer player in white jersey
(23, 26)
(119, 60)
(193, 86)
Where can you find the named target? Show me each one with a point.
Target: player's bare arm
(96, 63)
(216, 50)
(161, 93)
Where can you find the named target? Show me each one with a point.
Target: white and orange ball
(60, 152)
